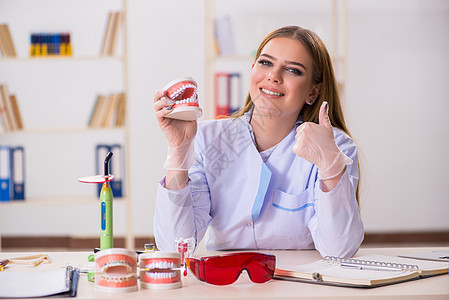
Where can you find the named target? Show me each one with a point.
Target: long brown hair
(323, 72)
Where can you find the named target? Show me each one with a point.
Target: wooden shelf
(52, 201)
(57, 93)
(61, 58)
(68, 130)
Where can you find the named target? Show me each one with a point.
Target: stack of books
(9, 111)
(6, 44)
(224, 37)
(109, 111)
(112, 30)
(45, 44)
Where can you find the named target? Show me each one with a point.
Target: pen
(370, 267)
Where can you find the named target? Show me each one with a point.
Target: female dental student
(282, 173)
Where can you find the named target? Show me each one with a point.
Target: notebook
(59, 282)
(364, 271)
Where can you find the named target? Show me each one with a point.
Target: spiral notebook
(364, 271)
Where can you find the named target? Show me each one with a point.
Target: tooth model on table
(160, 270)
(116, 270)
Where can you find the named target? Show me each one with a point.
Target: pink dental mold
(160, 270)
(184, 247)
(116, 270)
(184, 91)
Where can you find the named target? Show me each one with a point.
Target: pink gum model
(160, 270)
(184, 91)
(116, 270)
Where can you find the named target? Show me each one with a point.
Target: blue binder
(18, 173)
(5, 173)
(235, 98)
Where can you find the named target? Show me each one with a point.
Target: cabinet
(251, 21)
(56, 96)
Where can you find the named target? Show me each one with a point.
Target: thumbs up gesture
(316, 143)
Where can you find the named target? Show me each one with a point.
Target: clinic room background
(391, 58)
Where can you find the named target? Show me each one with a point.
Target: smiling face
(281, 79)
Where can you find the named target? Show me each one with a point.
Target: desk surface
(434, 287)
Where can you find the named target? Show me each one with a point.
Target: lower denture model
(184, 91)
(116, 270)
(160, 270)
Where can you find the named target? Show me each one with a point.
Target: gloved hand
(316, 143)
(179, 134)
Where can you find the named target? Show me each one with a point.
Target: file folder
(235, 97)
(5, 173)
(18, 173)
(222, 96)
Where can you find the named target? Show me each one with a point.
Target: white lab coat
(227, 178)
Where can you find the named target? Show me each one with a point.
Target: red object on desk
(225, 269)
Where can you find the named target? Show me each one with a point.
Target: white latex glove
(179, 134)
(316, 143)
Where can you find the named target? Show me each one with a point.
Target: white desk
(427, 288)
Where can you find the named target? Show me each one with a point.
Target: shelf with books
(89, 35)
(57, 95)
(7, 48)
(60, 90)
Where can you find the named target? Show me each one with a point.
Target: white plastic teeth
(193, 99)
(161, 275)
(160, 265)
(182, 89)
(271, 92)
(116, 263)
(118, 278)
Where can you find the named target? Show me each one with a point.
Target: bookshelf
(250, 23)
(56, 96)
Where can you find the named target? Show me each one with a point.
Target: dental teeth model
(116, 270)
(184, 91)
(160, 270)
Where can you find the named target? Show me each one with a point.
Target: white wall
(397, 103)
(166, 41)
(395, 107)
